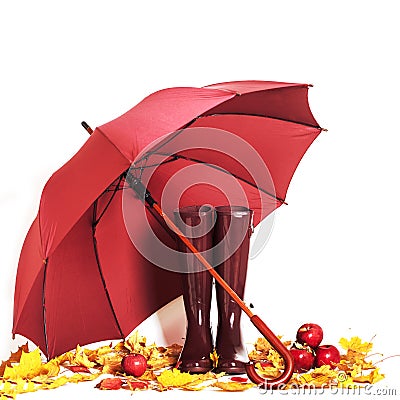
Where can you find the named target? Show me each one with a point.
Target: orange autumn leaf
(233, 386)
(267, 370)
(110, 384)
(263, 351)
(112, 365)
(78, 368)
(373, 377)
(137, 385)
(79, 358)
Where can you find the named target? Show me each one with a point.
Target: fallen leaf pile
(352, 371)
(26, 371)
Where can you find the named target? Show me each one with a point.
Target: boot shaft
(232, 231)
(231, 240)
(196, 223)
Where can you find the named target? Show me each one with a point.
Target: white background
(333, 255)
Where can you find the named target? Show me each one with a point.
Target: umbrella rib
(191, 122)
(46, 342)
(96, 221)
(96, 253)
(177, 156)
(263, 116)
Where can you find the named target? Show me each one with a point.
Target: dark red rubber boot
(231, 250)
(196, 223)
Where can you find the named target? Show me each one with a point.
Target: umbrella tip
(87, 127)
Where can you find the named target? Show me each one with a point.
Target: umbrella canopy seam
(178, 156)
(173, 135)
(96, 254)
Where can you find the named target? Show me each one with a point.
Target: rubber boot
(231, 240)
(196, 223)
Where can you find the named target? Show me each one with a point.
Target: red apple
(134, 364)
(303, 359)
(327, 355)
(310, 335)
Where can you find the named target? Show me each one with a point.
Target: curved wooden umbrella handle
(280, 348)
(144, 194)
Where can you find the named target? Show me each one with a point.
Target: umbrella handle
(145, 195)
(275, 342)
(280, 348)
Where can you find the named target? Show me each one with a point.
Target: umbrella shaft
(205, 263)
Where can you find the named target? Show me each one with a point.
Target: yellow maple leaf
(56, 383)
(175, 378)
(373, 377)
(29, 366)
(203, 380)
(263, 351)
(111, 364)
(346, 381)
(214, 358)
(325, 370)
(149, 375)
(135, 343)
(14, 358)
(11, 389)
(233, 386)
(97, 354)
(268, 371)
(61, 381)
(50, 369)
(356, 344)
(319, 377)
(79, 358)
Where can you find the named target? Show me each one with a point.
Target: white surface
(334, 249)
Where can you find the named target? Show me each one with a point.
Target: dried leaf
(111, 365)
(78, 368)
(11, 389)
(29, 366)
(175, 378)
(268, 370)
(355, 344)
(239, 379)
(56, 383)
(14, 358)
(264, 351)
(373, 377)
(97, 355)
(137, 385)
(135, 343)
(50, 369)
(233, 386)
(76, 378)
(155, 362)
(80, 358)
(110, 384)
(319, 377)
(61, 381)
(214, 358)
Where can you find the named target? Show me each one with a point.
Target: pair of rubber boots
(222, 235)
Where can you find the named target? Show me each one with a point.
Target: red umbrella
(86, 271)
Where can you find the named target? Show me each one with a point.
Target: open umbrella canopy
(94, 265)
